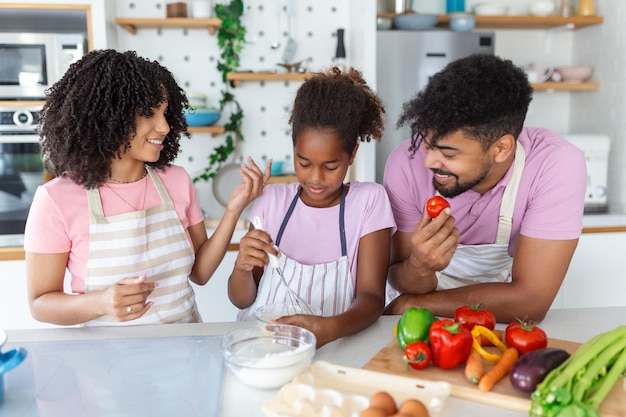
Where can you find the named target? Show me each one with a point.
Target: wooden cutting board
(389, 360)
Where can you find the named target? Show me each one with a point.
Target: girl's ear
(356, 148)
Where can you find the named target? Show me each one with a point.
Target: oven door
(21, 172)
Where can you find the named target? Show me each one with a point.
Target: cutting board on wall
(389, 360)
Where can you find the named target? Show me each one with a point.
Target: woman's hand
(250, 188)
(126, 300)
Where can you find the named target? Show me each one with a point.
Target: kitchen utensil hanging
(290, 48)
(227, 178)
(279, 33)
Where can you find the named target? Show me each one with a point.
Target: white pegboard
(192, 55)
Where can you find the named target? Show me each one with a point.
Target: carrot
(474, 367)
(500, 369)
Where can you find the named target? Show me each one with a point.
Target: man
(516, 197)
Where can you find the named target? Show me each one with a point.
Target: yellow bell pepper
(492, 337)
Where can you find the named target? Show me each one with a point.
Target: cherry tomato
(417, 354)
(525, 336)
(436, 205)
(469, 316)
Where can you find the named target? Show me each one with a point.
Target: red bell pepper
(450, 343)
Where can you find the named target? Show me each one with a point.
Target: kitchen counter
(355, 351)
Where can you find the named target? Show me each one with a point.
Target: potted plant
(230, 37)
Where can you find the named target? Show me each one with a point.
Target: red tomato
(469, 316)
(525, 336)
(417, 354)
(436, 205)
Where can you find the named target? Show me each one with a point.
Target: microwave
(30, 63)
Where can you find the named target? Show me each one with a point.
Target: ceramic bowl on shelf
(415, 21)
(462, 22)
(202, 116)
(491, 8)
(268, 355)
(579, 73)
(542, 8)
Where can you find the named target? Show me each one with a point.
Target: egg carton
(328, 390)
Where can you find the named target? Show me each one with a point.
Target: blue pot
(8, 361)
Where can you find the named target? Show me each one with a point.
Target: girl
(334, 237)
(119, 217)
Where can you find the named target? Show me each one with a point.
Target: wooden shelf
(521, 21)
(281, 179)
(213, 130)
(565, 86)
(238, 77)
(22, 103)
(131, 24)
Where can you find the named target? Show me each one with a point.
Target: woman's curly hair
(341, 101)
(89, 114)
(484, 95)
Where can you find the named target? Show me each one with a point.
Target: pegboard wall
(192, 55)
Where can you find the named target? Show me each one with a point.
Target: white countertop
(355, 351)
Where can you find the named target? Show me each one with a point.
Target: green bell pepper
(414, 325)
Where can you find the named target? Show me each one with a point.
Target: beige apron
(150, 242)
(327, 286)
(473, 264)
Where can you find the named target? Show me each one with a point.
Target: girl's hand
(319, 326)
(126, 300)
(253, 249)
(250, 188)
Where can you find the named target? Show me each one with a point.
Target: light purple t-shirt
(549, 203)
(312, 234)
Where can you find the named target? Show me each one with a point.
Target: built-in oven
(21, 168)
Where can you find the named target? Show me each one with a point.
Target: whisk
(296, 305)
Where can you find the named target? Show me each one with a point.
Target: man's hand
(433, 242)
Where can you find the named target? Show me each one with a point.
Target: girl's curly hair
(484, 95)
(90, 113)
(341, 101)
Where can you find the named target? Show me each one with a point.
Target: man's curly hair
(340, 101)
(484, 95)
(89, 114)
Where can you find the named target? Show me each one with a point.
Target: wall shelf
(213, 130)
(565, 86)
(238, 77)
(281, 179)
(131, 24)
(520, 21)
(22, 103)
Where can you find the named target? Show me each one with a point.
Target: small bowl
(462, 22)
(415, 21)
(491, 8)
(277, 168)
(574, 74)
(270, 312)
(268, 356)
(202, 116)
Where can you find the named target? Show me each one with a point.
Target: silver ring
(129, 309)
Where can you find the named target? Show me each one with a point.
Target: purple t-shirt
(312, 234)
(549, 203)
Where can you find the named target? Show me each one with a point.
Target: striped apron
(327, 286)
(473, 264)
(150, 242)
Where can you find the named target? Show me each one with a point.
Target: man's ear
(503, 148)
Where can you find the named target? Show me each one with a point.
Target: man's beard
(458, 187)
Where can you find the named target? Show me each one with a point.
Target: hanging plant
(230, 39)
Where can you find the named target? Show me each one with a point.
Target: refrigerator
(405, 61)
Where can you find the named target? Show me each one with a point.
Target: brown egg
(383, 401)
(372, 412)
(413, 408)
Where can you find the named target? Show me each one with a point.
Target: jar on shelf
(566, 8)
(586, 8)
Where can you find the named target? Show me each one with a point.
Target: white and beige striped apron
(327, 286)
(150, 242)
(473, 264)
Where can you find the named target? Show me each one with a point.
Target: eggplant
(531, 368)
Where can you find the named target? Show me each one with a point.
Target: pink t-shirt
(549, 203)
(312, 234)
(58, 221)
